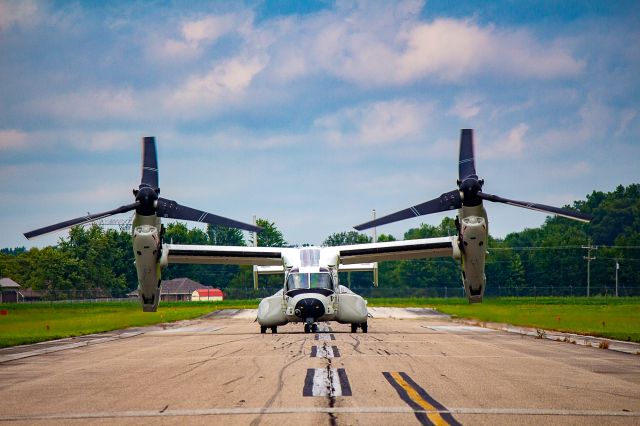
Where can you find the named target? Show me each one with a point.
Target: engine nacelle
(271, 312)
(473, 248)
(146, 250)
(352, 308)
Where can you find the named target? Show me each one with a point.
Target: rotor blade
(149, 162)
(173, 210)
(466, 165)
(80, 220)
(570, 214)
(447, 201)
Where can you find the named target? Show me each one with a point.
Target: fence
(384, 291)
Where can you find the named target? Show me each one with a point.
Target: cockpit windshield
(312, 280)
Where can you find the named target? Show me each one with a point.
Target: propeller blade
(570, 214)
(447, 201)
(173, 210)
(466, 165)
(149, 162)
(80, 220)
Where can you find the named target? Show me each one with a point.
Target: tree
(225, 276)
(346, 238)
(270, 236)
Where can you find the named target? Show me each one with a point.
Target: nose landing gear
(310, 326)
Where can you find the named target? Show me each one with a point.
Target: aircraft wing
(397, 250)
(230, 255)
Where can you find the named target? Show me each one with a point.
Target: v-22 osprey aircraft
(311, 291)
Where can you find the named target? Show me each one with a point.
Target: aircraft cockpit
(303, 282)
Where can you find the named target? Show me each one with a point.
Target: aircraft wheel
(274, 329)
(314, 328)
(263, 329)
(307, 329)
(364, 326)
(354, 328)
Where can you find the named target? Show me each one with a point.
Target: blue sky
(311, 114)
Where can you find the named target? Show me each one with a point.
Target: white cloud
(467, 106)
(510, 145)
(626, 118)
(226, 82)
(88, 105)
(11, 139)
(375, 123)
(197, 34)
(378, 48)
(22, 13)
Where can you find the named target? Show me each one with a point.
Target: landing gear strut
(363, 326)
(263, 329)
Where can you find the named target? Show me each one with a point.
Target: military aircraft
(311, 291)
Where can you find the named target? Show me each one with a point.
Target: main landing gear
(263, 329)
(310, 327)
(363, 326)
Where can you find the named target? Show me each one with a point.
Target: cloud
(225, 82)
(510, 145)
(379, 48)
(375, 123)
(99, 104)
(195, 35)
(453, 49)
(23, 13)
(467, 106)
(12, 139)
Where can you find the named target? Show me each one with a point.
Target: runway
(413, 367)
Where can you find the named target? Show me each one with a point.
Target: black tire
(263, 329)
(274, 329)
(314, 328)
(354, 328)
(307, 328)
(364, 326)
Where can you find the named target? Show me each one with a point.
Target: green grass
(37, 322)
(616, 318)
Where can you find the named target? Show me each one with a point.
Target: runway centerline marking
(325, 336)
(326, 382)
(325, 351)
(410, 392)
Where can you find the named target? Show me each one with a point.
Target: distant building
(176, 290)
(29, 295)
(210, 294)
(8, 290)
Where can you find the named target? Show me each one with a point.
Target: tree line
(100, 261)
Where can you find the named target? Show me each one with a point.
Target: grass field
(37, 322)
(616, 318)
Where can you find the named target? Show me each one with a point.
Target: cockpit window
(320, 281)
(297, 280)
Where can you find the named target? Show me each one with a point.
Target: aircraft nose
(309, 308)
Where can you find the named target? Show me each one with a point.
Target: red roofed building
(207, 294)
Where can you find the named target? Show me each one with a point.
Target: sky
(311, 114)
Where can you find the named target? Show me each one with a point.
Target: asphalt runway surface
(413, 367)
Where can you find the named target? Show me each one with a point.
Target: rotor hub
(146, 197)
(470, 188)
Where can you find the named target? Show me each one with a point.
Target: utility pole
(617, 267)
(589, 258)
(375, 233)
